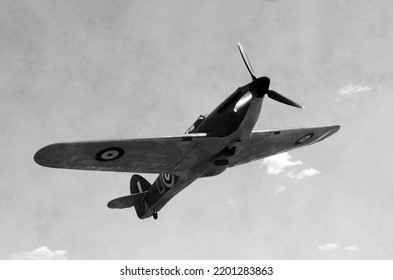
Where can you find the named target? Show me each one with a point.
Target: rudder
(138, 184)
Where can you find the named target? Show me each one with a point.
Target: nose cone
(267, 81)
(260, 85)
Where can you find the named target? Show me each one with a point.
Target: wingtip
(331, 130)
(38, 158)
(47, 156)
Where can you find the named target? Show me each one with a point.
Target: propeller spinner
(270, 93)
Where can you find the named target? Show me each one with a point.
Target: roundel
(110, 154)
(168, 180)
(305, 138)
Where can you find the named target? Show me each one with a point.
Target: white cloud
(334, 246)
(276, 164)
(328, 247)
(351, 248)
(350, 90)
(41, 253)
(295, 174)
(279, 189)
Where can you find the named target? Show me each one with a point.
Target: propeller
(246, 61)
(270, 93)
(280, 98)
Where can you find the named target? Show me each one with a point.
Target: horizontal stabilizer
(126, 201)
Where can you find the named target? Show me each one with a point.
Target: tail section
(139, 186)
(126, 201)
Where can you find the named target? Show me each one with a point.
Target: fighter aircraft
(224, 138)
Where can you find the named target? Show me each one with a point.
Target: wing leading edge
(149, 155)
(266, 143)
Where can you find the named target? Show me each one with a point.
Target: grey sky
(90, 70)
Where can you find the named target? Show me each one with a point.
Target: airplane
(224, 138)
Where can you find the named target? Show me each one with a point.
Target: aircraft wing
(266, 143)
(149, 155)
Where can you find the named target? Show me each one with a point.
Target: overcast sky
(90, 70)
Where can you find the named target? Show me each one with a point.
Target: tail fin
(139, 186)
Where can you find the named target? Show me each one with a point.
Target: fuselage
(228, 128)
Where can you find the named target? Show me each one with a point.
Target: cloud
(279, 189)
(351, 248)
(41, 253)
(334, 246)
(350, 90)
(328, 247)
(295, 174)
(276, 164)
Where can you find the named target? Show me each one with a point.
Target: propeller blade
(243, 101)
(246, 61)
(280, 98)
